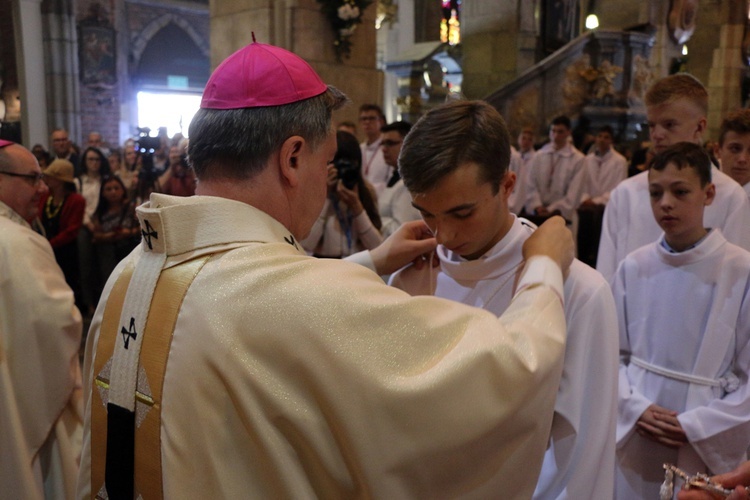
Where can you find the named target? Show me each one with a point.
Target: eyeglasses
(367, 118)
(389, 143)
(35, 178)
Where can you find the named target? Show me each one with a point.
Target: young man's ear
(710, 191)
(702, 124)
(508, 183)
(290, 158)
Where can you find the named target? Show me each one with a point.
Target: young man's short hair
(608, 129)
(679, 86)
(737, 121)
(685, 155)
(372, 107)
(402, 128)
(450, 136)
(562, 120)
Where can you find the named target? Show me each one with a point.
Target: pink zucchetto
(261, 75)
(4, 143)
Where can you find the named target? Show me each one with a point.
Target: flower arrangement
(344, 16)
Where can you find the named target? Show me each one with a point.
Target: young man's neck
(372, 138)
(682, 245)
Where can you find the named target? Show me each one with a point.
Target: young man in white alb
(604, 169)
(461, 188)
(734, 147)
(555, 177)
(683, 304)
(374, 167)
(676, 108)
(519, 165)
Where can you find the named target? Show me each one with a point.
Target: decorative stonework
(585, 84)
(681, 20)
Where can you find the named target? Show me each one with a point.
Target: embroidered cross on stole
(126, 445)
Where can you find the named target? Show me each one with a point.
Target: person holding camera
(350, 221)
(178, 179)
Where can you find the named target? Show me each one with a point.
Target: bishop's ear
(290, 159)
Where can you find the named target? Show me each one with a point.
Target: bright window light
(592, 22)
(174, 111)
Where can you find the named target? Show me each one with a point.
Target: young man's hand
(553, 240)
(660, 424)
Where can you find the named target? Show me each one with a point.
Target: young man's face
(370, 122)
(603, 142)
(734, 154)
(464, 213)
(391, 144)
(675, 121)
(677, 201)
(559, 134)
(526, 140)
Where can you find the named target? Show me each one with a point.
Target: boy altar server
(684, 313)
(676, 108)
(734, 147)
(461, 188)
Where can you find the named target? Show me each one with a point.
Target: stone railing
(599, 78)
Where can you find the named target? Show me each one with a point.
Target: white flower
(347, 12)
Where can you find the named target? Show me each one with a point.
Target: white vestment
(746, 187)
(395, 208)
(328, 238)
(629, 222)
(40, 377)
(687, 312)
(295, 377)
(374, 167)
(579, 462)
(602, 175)
(519, 164)
(555, 180)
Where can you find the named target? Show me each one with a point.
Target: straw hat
(60, 169)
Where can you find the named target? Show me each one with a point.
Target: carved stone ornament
(681, 20)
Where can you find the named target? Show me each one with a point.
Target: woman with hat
(61, 214)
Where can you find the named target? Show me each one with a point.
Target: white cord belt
(729, 383)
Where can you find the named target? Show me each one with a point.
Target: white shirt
(295, 377)
(395, 208)
(519, 164)
(579, 462)
(629, 222)
(688, 312)
(603, 174)
(555, 179)
(374, 167)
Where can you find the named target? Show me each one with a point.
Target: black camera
(347, 172)
(146, 143)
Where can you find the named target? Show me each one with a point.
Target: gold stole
(170, 290)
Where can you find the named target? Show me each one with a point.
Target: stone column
(27, 19)
(727, 69)
(489, 36)
(61, 67)
(298, 25)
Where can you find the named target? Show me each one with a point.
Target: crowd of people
(249, 346)
(88, 214)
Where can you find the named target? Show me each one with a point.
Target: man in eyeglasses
(374, 167)
(40, 334)
(394, 203)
